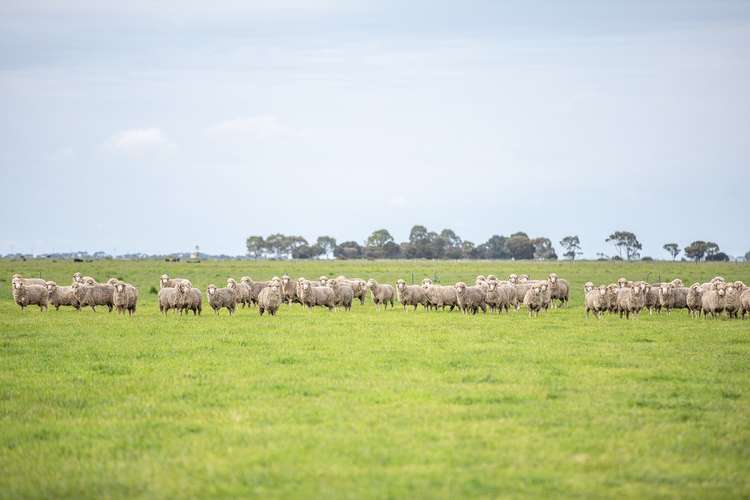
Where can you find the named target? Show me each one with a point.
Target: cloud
(139, 140)
(261, 127)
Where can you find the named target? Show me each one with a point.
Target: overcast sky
(127, 128)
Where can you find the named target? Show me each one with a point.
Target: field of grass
(366, 404)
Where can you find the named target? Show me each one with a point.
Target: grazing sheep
(241, 289)
(411, 295)
(61, 296)
(497, 297)
(168, 299)
(712, 301)
(317, 296)
(358, 286)
(612, 290)
(77, 278)
(166, 282)
(651, 298)
(288, 290)
(731, 300)
(533, 300)
(630, 300)
(440, 295)
(269, 299)
(99, 294)
(221, 297)
(342, 294)
(381, 294)
(666, 296)
(745, 302)
(27, 295)
(125, 298)
(597, 302)
(470, 298)
(559, 289)
(694, 300)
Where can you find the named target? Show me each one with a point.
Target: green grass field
(361, 404)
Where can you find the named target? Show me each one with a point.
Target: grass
(359, 404)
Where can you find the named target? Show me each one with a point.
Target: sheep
(168, 299)
(242, 291)
(125, 298)
(288, 290)
(439, 295)
(497, 297)
(470, 298)
(519, 292)
(651, 298)
(731, 300)
(630, 300)
(255, 289)
(546, 295)
(77, 278)
(559, 289)
(665, 293)
(381, 294)
(98, 294)
(342, 294)
(269, 299)
(612, 290)
(694, 300)
(411, 295)
(596, 301)
(323, 281)
(317, 296)
(358, 286)
(27, 295)
(61, 296)
(533, 300)
(679, 294)
(26, 281)
(712, 301)
(587, 287)
(188, 298)
(166, 282)
(221, 297)
(745, 302)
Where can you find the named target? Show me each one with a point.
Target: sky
(132, 128)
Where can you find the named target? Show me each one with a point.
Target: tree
(747, 256)
(520, 246)
(291, 243)
(307, 252)
(469, 250)
(417, 235)
(327, 244)
(451, 237)
(276, 243)
(672, 249)
(543, 249)
(625, 240)
(495, 248)
(572, 247)
(379, 238)
(256, 245)
(348, 250)
(718, 257)
(696, 250)
(711, 249)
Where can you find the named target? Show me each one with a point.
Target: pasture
(363, 404)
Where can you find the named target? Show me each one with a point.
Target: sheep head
(51, 285)
(211, 289)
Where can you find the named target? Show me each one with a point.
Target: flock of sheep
(180, 295)
(624, 297)
(631, 297)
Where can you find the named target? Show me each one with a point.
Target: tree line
(426, 244)
(422, 244)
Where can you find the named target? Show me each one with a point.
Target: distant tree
(711, 249)
(496, 248)
(520, 246)
(672, 249)
(326, 243)
(747, 256)
(307, 252)
(256, 245)
(276, 243)
(379, 238)
(348, 250)
(451, 237)
(417, 235)
(391, 250)
(572, 247)
(625, 240)
(718, 257)
(696, 250)
(469, 250)
(543, 249)
(291, 243)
